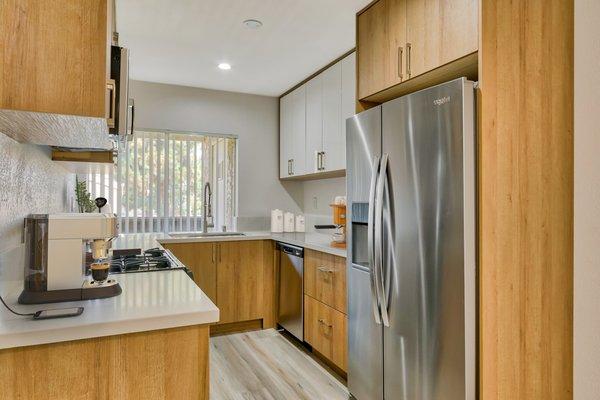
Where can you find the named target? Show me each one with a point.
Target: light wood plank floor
(264, 365)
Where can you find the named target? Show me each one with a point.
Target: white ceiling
(182, 41)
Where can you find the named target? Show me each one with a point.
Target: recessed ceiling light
(224, 66)
(252, 23)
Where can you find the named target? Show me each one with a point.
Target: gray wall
(587, 202)
(30, 182)
(254, 119)
(319, 194)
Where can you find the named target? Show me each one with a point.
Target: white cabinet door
(314, 123)
(285, 136)
(348, 92)
(298, 150)
(334, 148)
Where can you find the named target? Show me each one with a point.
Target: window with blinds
(158, 182)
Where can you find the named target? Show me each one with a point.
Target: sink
(202, 234)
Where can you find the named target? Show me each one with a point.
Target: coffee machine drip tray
(90, 290)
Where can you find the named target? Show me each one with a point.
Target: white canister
(300, 223)
(288, 222)
(276, 221)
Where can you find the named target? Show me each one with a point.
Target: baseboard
(235, 327)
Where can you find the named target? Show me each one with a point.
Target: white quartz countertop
(149, 301)
(313, 241)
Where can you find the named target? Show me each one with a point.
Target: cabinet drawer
(325, 278)
(325, 330)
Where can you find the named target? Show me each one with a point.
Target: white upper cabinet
(298, 150)
(313, 122)
(348, 94)
(334, 148)
(285, 136)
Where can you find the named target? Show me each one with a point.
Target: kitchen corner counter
(149, 301)
(313, 241)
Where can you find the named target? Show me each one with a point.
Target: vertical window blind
(157, 184)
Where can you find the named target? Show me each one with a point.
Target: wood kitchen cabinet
(56, 56)
(325, 278)
(158, 364)
(325, 329)
(381, 31)
(245, 280)
(400, 40)
(55, 86)
(238, 276)
(439, 32)
(201, 259)
(325, 320)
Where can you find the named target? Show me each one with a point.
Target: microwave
(122, 108)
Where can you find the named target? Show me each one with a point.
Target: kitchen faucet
(207, 218)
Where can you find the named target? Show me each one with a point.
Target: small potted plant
(84, 198)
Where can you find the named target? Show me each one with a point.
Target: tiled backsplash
(30, 182)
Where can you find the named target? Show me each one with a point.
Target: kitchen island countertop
(149, 301)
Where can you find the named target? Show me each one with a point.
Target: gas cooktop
(149, 261)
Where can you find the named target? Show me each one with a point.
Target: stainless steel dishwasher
(290, 314)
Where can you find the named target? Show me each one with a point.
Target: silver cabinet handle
(408, 54)
(378, 268)
(111, 86)
(292, 160)
(370, 241)
(318, 160)
(322, 322)
(322, 161)
(400, 53)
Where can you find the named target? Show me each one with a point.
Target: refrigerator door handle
(370, 242)
(381, 180)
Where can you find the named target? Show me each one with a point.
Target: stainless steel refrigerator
(411, 247)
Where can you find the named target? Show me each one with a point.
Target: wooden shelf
(84, 162)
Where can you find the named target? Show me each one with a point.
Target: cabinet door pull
(214, 249)
(111, 86)
(325, 270)
(322, 322)
(292, 160)
(289, 167)
(408, 54)
(219, 250)
(400, 52)
(322, 161)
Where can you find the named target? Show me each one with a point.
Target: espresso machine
(55, 256)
